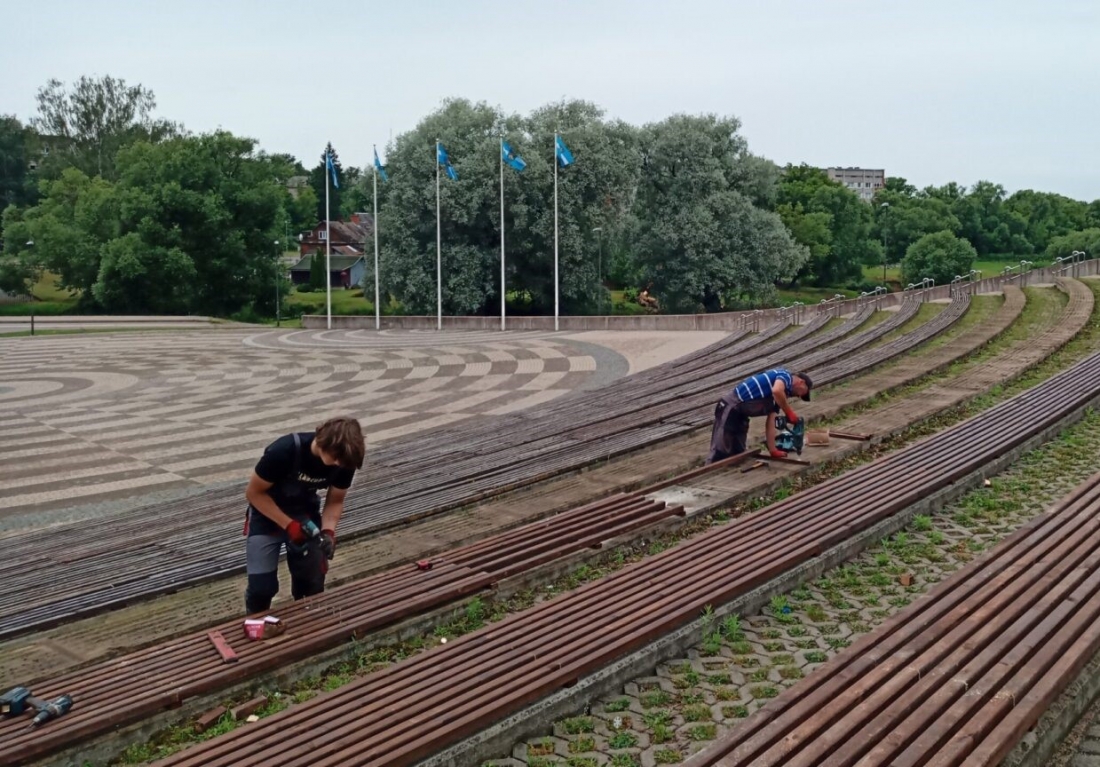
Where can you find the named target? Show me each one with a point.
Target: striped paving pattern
(85, 418)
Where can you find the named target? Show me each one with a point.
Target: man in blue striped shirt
(760, 395)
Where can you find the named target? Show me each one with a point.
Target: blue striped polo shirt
(760, 385)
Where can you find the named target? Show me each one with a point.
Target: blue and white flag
(379, 168)
(445, 161)
(331, 168)
(510, 157)
(565, 157)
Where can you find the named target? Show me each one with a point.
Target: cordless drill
(790, 437)
(15, 701)
(312, 533)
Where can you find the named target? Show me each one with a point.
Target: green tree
(316, 272)
(76, 216)
(1092, 217)
(16, 181)
(595, 192)
(213, 199)
(698, 236)
(902, 218)
(990, 226)
(317, 181)
(18, 270)
(86, 125)
(1047, 216)
(940, 255)
(831, 221)
(135, 276)
(1087, 240)
(188, 225)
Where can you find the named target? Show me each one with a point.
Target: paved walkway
(105, 416)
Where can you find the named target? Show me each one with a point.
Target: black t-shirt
(296, 494)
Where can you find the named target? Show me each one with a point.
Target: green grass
(987, 268)
(619, 305)
(810, 295)
(344, 302)
(49, 299)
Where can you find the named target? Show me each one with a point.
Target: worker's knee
(262, 588)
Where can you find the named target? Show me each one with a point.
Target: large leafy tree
(16, 144)
(903, 216)
(831, 221)
(85, 125)
(1086, 240)
(939, 255)
(187, 226)
(990, 226)
(698, 236)
(1047, 215)
(593, 193)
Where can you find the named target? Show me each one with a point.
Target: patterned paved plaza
(99, 416)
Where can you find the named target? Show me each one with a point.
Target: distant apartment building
(862, 181)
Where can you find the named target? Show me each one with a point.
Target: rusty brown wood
(847, 435)
(399, 715)
(228, 655)
(163, 676)
(959, 676)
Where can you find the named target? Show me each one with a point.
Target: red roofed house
(348, 241)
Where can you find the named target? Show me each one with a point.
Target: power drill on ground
(788, 438)
(15, 701)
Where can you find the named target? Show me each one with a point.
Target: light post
(599, 269)
(884, 205)
(278, 322)
(30, 244)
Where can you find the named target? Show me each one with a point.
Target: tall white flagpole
(555, 231)
(502, 232)
(328, 245)
(438, 249)
(377, 305)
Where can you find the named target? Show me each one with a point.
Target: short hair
(342, 438)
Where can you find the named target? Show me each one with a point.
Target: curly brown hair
(342, 438)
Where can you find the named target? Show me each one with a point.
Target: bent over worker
(762, 394)
(284, 508)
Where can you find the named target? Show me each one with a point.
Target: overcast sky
(932, 90)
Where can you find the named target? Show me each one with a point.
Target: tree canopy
(132, 213)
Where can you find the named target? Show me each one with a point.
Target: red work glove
(792, 417)
(328, 543)
(295, 533)
(777, 453)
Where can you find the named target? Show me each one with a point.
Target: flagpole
(377, 305)
(555, 231)
(502, 232)
(328, 246)
(438, 249)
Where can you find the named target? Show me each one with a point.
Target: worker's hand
(328, 543)
(295, 534)
(777, 453)
(792, 417)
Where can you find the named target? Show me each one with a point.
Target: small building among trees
(345, 272)
(348, 266)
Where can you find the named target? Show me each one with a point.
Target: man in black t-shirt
(284, 508)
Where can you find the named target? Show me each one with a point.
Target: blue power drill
(789, 438)
(15, 701)
(312, 533)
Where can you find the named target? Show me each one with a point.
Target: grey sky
(933, 90)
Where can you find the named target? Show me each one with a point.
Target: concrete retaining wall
(753, 320)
